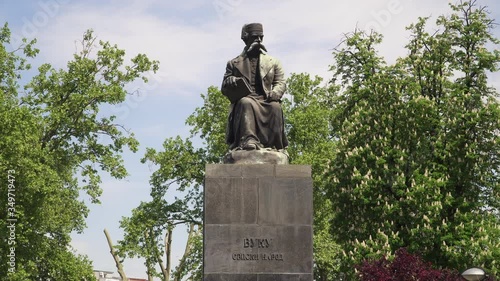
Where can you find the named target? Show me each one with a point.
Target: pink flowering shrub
(405, 267)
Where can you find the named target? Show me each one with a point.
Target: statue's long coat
(273, 80)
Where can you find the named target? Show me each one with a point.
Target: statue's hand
(273, 97)
(230, 81)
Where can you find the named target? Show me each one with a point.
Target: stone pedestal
(263, 156)
(258, 223)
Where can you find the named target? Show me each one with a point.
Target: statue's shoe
(252, 145)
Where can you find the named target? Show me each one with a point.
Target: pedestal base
(258, 223)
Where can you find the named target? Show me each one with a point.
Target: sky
(193, 40)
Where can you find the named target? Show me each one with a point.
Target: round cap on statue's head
(251, 29)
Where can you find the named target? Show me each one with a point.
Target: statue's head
(252, 33)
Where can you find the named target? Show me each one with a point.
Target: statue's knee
(245, 101)
(276, 106)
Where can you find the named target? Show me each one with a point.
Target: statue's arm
(227, 74)
(279, 81)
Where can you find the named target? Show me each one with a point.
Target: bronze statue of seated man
(254, 82)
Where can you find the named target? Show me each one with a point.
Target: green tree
(180, 166)
(417, 163)
(54, 141)
(308, 112)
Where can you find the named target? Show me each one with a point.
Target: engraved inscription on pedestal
(258, 223)
(262, 243)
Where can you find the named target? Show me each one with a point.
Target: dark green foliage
(308, 113)
(180, 166)
(50, 134)
(417, 164)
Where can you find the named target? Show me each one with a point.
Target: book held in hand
(242, 89)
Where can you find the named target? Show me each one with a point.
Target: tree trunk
(187, 250)
(119, 265)
(168, 252)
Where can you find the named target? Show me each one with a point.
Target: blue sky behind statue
(193, 40)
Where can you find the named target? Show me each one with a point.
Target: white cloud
(193, 56)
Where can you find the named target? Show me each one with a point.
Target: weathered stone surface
(285, 277)
(293, 171)
(222, 171)
(258, 225)
(258, 249)
(230, 277)
(258, 277)
(231, 200)
(255, 157)
(285, 201)
(257, 171)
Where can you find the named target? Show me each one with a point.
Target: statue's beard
(255, 46)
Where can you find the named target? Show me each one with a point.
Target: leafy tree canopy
(56, 141)
(417, 161)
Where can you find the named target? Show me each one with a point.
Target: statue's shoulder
(237, 59)
(269, 59)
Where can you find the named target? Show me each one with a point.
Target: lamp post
(474, 274)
